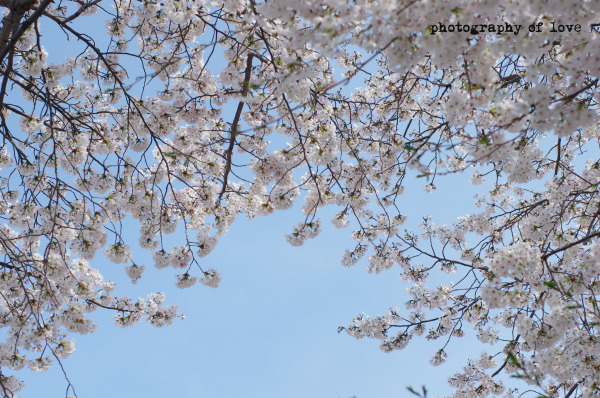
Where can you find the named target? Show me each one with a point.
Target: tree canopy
(142, 121)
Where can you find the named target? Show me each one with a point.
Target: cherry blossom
(366, 95)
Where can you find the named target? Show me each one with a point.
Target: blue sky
(270, 329)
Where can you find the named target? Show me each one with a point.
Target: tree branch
(545, 256)
(24, 26)
(234, 125)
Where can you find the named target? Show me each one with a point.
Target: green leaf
(550, 284)
(512, 359)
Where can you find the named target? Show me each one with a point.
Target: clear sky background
(269, 330)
